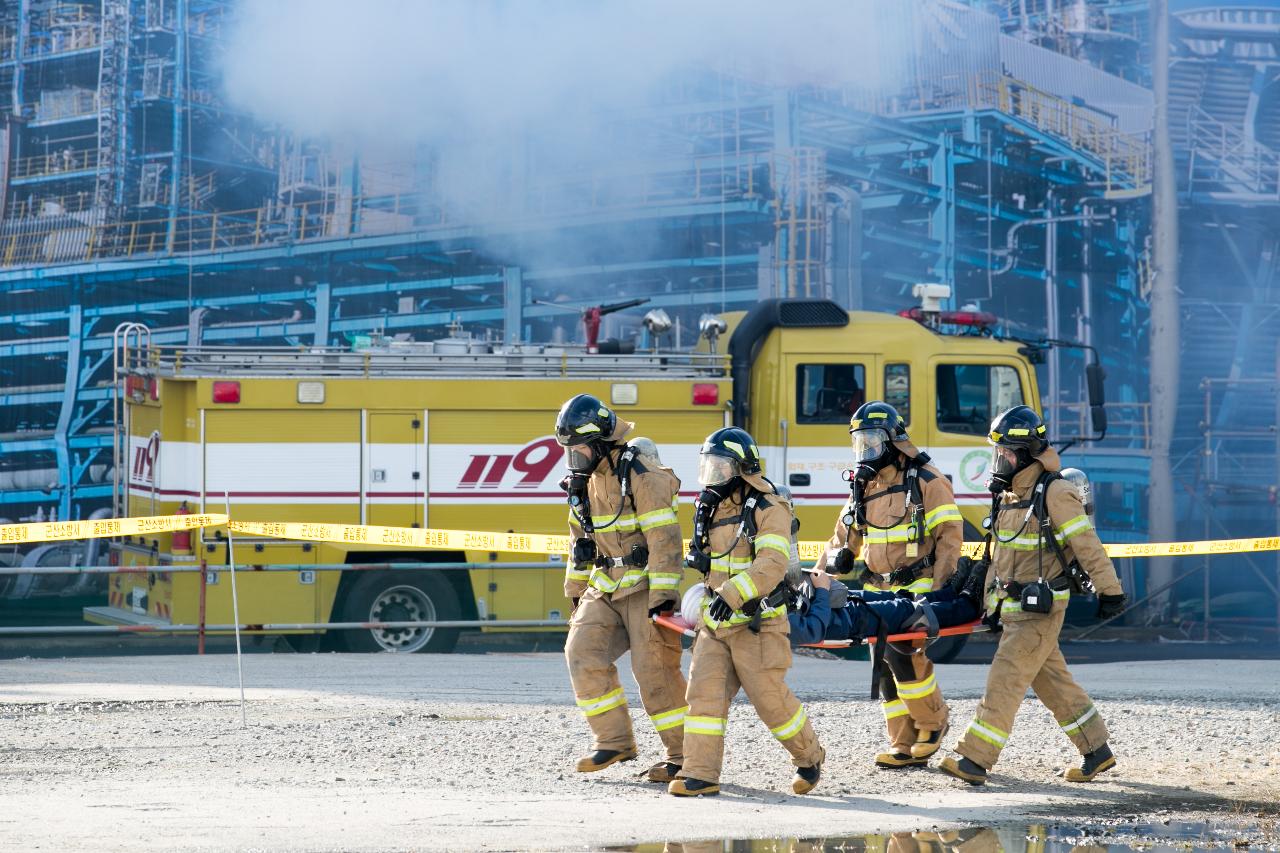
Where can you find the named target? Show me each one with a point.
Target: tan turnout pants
(911, 699)
(599, 633)
(757, 663)
(1028, 656)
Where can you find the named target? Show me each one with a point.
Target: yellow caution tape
(407, 537)
(480, 540)
(811, 550)
(539, 543)
(61, 531)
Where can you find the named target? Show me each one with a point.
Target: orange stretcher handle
(975, 627)
(680, 626)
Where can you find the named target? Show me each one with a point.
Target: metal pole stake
(235, 608)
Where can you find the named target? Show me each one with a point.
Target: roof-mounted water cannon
(591, 319)
(711, 327)
(932, 314)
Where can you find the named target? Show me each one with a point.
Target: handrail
(418, 359)
(55, 162)
(1125, 157)
(704, 179)
(1223, 154)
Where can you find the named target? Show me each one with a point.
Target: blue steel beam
(25, 277)
(46, 443)
(62, 453)
(36, 398)
(33, 496)
(265, 297)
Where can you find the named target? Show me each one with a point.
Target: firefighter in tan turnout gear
(1040, 534)
(742, 543)
(902, 517)
(625, 566)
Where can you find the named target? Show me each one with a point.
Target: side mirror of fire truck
(1094, 377)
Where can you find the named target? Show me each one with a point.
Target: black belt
(899, 577)
(639, 558)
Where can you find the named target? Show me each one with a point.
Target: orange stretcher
(682, 626)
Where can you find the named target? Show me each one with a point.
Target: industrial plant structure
(1014, 163)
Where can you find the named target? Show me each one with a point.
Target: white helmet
(691, 604)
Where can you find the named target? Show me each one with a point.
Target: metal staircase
(113, 65)
(1224, 163)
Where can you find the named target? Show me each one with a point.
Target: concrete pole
(1165, 349)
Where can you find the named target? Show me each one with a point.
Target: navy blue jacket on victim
(820, 622)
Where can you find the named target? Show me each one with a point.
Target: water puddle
(1034, 838)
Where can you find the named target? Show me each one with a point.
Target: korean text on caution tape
(408, 537)
(61, 531)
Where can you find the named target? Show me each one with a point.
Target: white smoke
(497, 99)
(418, 70)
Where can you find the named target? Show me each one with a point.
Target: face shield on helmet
(1004, 464)
(716, 470)
(869, 445)
(582, 458)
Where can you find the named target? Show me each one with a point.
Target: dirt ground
(475, 752)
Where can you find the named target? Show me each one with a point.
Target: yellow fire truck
(457, 434)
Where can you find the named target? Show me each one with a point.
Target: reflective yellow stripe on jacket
(940, 515)
(600, 579)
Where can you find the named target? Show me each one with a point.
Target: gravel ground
(422, 752)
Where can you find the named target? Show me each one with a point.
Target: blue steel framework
(1224, 110)
(897, 193)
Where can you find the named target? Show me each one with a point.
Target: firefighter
(1039, 527)
(742, 544)
(625, 567)
(902, 516)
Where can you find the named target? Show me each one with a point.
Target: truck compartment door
(394, 477)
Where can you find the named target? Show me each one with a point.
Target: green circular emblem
(973, 469)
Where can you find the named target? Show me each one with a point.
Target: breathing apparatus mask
(717, 473)
(584, 458)
(1005, 465)
(872, 448)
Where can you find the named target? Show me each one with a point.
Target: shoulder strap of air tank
(626, 462)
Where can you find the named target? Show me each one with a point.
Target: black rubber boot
(973, 773)
(663, 771)
(1098, 761)
(602, 758)
(899, 761)
(806, 778)
(692, 788)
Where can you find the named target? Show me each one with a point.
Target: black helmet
(726, 454)
(1021, 431)
(584, 420)
(1019, 427)
(873, 429)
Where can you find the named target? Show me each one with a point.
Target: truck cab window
(970, 395)
(897, 389)
(829, 393)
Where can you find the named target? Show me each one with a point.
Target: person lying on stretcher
(831, 612)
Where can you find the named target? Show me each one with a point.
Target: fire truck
(458, 434)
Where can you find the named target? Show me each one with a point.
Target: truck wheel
(401, 597)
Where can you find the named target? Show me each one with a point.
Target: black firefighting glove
(843, 562)
(719, 609)
(1111, 605)
(665, 607)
